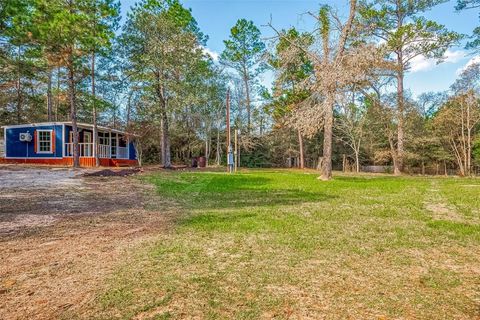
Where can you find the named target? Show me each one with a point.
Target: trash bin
(202, 162)
(194, 162)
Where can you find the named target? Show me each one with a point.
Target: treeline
(338, 100)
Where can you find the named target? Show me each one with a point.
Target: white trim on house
(40, 124)
(63, 140)
(80, 125)
(110, 144)
(50, 151)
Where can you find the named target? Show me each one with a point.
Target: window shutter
(35, 141)
(53, 140)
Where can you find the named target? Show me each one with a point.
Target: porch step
(122, 165)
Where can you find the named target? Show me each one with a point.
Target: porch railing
(104, 151)
(86, 149)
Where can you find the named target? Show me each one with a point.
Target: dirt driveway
(62, 233)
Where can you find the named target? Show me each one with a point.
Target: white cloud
(215, 55)
(422, 63)
(454, 56)
(475, 59)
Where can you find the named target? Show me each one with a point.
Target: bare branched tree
(455, 123)
(351, 125)
(338, 64)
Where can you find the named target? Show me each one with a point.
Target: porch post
(110, 144)
(116, 146)
(95, 134)
(64, 139)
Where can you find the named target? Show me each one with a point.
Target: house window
(70, 137)
(103, 138)
(44, 141)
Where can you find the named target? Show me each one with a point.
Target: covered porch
(111, 144)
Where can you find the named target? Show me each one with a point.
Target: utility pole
(235, 152)
(228, 117)
(230, 160)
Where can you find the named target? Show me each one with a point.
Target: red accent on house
(53, 141)
(84, 162)
(35, 141)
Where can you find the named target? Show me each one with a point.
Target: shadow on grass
(219, 191)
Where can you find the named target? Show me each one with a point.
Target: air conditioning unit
(25, 136)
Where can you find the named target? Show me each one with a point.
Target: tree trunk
(219, 152)
(73, 109)
(207, 150)
(398, 164)
(129, 109)
(19, 89)
(459, 153)
(57, 99)
(247, 101)
(463, 145)
(95, 128)
(319, 163)
(49, 96)
(165, 137)
(300, 150)
(160, 139)
(469, 142)
(239, 162)
(166, 158)
(327, 140)
(357, 161)
(261, 125)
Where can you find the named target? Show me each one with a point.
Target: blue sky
(216, 17)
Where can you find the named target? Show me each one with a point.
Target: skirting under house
(52, 144)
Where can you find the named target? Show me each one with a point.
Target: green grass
(282, 244)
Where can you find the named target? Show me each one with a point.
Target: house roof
(80, 125)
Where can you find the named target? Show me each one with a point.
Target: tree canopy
(339, 97)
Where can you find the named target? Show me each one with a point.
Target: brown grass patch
(58, 241)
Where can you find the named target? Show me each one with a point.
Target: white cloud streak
(473, 60)
(421, 63)
(215, 55)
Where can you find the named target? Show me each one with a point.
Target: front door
(114, 146)
(88, 147)
(87, 137)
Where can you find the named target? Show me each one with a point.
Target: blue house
(52, 143)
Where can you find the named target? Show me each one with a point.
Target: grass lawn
(282, 244)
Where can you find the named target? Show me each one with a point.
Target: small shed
(52, 143)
